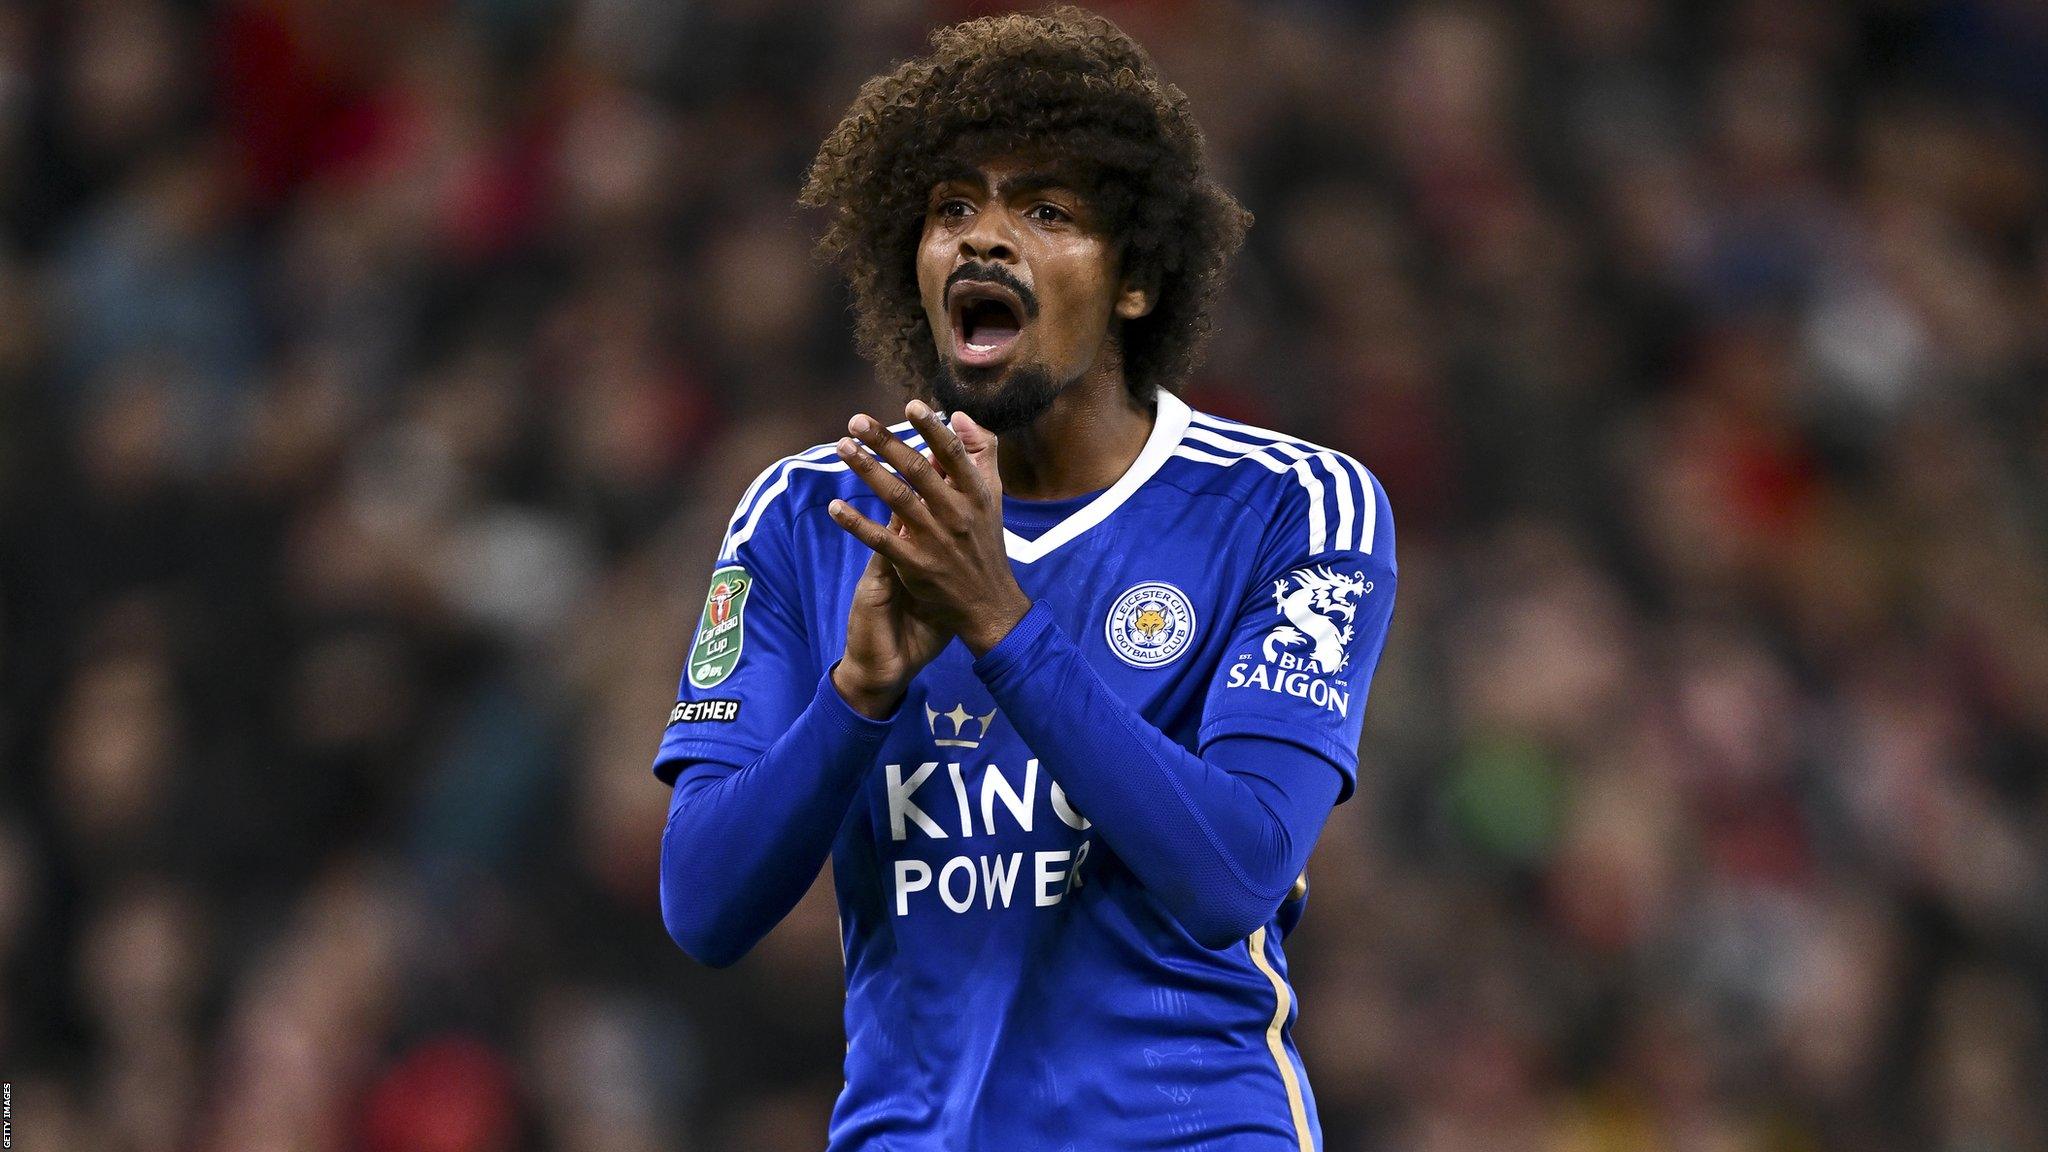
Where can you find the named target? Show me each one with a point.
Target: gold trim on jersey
(1274, 1044)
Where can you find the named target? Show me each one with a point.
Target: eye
(953, 209)
(1046, 213)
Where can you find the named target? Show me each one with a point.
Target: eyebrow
(1031, 181)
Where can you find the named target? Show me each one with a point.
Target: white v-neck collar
(1169, 424)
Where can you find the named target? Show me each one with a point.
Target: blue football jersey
(1010, 985)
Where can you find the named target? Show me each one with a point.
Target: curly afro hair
(1064, 82)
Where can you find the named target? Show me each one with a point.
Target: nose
(989, 238)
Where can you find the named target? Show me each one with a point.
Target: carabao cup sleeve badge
(722, 631)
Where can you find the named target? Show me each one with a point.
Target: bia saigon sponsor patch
(722, 630)
(1305, 652)
(1317, 605)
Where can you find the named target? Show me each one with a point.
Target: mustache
(996, 274)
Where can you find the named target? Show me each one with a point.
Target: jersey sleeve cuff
(1343, 759)
(827, 708)
(842, 715)
(1010, 652)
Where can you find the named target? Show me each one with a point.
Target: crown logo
(959, 732)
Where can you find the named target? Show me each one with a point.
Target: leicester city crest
(1150, 625)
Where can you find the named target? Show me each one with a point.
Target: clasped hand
(938, 569)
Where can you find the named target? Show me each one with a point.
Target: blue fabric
(743, 845)
(1218, 840)
(1061, 870)
(1221, 839)
(1031, 518)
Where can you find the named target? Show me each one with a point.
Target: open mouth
(987, 319)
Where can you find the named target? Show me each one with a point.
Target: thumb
(980, 444)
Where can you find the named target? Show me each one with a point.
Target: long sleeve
(743, 844)
(1219, 839)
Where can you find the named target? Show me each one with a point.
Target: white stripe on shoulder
(1369, 490)
(823, 458)
(1369, 514)
(1343, 496)
(746, 503)
(787, 469)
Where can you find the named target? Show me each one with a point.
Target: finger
(907, 461)
(878, 584)
(878, 567)
(947, 453)
(899, 496)
(881, 564)
(885, 544)
(980, 446)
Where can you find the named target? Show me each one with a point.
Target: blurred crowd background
(376, 376)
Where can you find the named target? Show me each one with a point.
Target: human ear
(1133, 301)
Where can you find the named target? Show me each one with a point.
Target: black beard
(1021, 399)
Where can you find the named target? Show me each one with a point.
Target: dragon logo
(1319, 606)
